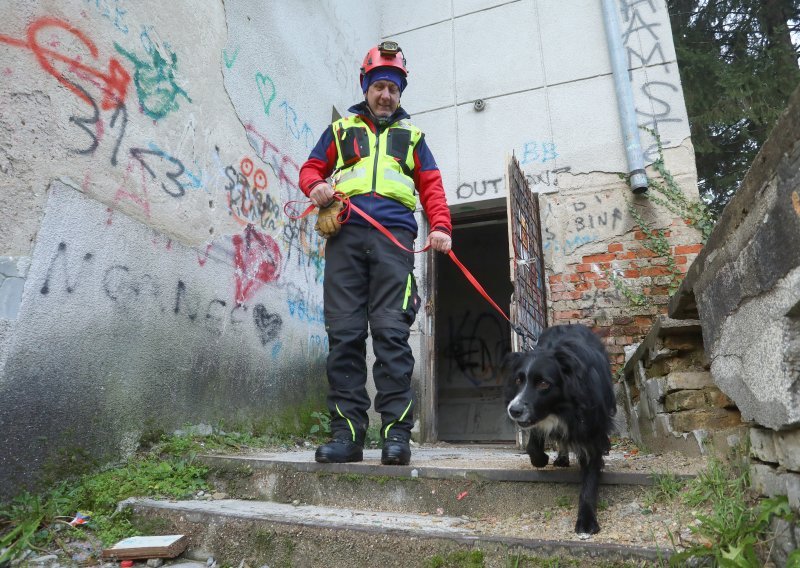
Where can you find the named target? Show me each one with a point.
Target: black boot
(339, 451)
(396, 451)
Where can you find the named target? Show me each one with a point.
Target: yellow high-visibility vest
(381, 163)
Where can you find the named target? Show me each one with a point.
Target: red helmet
(385, 54)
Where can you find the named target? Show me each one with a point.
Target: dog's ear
(510, 361)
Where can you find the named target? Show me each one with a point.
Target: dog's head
(534, 386)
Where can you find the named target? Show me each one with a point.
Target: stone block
(762, 445)
(792, 481)
(715, 397)
(704, 419)
(684, 380)
(787, 448)
(684, 400)
(785, 543)
(765, 480)
(655, 389)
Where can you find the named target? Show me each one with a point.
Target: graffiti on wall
(476, 345)
(258, 261)
(641, 32)
(292, 121)
(134, 292)
(530, 153)
(589, 219)
(154, 77)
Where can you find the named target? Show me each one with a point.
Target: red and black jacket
(388, 212)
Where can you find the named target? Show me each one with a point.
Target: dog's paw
(539, 460)
(586, 525)
(561, 461)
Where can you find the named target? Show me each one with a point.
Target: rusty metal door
(529, 302)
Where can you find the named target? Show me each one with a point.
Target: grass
(733, 529)
(162, 469)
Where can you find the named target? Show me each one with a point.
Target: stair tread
(491, 463)
(408, 524)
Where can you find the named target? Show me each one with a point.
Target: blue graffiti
(111, 10)
(538, 152)
(304, 312)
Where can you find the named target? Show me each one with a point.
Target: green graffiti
(155, 82)
(267, 93)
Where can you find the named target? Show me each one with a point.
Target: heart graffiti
(258, 262)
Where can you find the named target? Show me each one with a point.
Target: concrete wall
(543, 71)
(149, 275)
(146, 152)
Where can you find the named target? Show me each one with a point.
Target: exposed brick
(623, 320)
(645, 253)
(602, 331)
(626, 255)
(639, 236)
(583, 268)
(557, 287)
(555, 278)
(574, 295)
(582, 286)
(599, 258)
(655, 271)
(681, 260)
(592, 275)
(688, 249)
(632, 273)
(573, 278)
(615, 247)
(602, 284)
(569, 314)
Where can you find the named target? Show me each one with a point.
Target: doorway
(471, 337)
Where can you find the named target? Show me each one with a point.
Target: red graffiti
(274, 157)
(114, 83)
(201, 260)
(258, 261)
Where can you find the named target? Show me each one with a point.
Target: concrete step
(473, 481)
(266, 533)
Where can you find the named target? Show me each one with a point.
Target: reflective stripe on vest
(382, 163)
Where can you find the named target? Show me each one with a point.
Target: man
(378, 159)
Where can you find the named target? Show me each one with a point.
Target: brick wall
(584, 293)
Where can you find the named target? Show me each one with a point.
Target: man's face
(383, 98)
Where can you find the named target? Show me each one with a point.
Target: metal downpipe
(627, 110)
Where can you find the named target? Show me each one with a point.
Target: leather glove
(328, 224)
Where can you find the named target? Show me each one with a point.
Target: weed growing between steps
(731, 527)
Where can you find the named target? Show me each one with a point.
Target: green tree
(738, 61)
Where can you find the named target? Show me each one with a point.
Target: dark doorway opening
(471, 337)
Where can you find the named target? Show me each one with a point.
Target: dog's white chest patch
(552, 424)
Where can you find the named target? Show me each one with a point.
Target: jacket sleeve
(428, 180)
(320, 162)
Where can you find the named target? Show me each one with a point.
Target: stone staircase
(284, 509)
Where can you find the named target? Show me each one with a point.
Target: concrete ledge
(321, 536)
(714, 255)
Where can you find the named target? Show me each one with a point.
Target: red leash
(472, 280)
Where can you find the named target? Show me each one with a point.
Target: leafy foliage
(738, 61)
(736, 525)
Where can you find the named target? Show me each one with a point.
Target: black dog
(562, 391)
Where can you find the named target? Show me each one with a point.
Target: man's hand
(440, 241)
(321, 195)
(328, 224)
